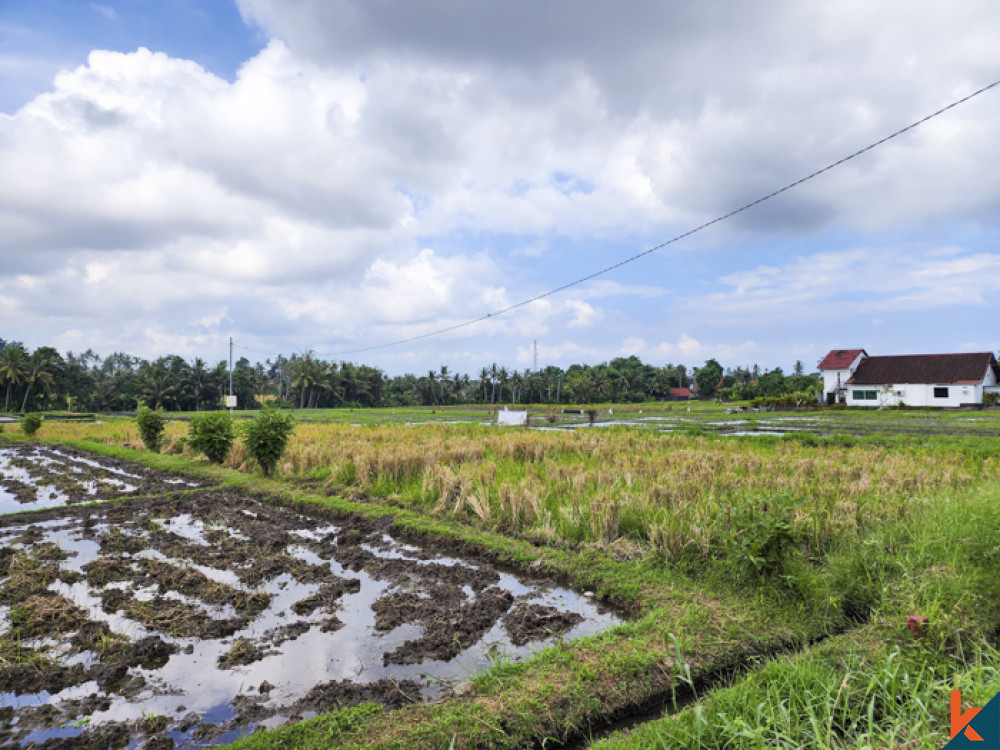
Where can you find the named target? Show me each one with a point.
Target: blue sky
(52, 35)
(338, 174)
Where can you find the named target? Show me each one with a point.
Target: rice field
(600, 486)
(747, 564)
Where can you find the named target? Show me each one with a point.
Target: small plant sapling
(212, 433)
(266, 437)
(150, 423)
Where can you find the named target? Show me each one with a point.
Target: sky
(336, 175)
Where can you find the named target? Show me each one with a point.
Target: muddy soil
(41, 476)
(191, 618)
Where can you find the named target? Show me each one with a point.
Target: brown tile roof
(942, 369)
(840, 359)
(680, 392)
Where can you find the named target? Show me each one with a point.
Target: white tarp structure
(512, 418)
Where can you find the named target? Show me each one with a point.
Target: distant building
(852, 377)
(837, 368)
(680, 394)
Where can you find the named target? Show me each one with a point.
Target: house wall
(830, 376)
(830, 379)
(914, 394)
(990, 384)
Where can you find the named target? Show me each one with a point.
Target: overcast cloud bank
(382, 170)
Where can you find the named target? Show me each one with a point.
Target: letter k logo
(960, 721)
(977, 728)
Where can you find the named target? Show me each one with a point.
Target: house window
(864, 395)
(941, 392)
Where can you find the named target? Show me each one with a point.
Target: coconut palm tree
(12, 364)
(431, 383)
(516, 387)
(504, 377)
(37, 372)
(157, 386)
(307, 373)
(198, 380)
(444, 382)
(494, 373)
(484, 379)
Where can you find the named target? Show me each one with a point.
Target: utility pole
(230, 399)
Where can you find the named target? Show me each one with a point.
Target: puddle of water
(193, 680)
(757, 433)
(39, 477)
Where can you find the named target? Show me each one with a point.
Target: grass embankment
(724, 549)
(874, 686)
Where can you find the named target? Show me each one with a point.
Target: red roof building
(949, 380)
(837, 367)
(840, 359)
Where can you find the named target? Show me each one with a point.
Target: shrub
(991, 399)
(30, 423)
(266, 437)
(150, 423)
(759, 536)
(212, 433)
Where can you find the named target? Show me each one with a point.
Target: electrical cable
(672, 240)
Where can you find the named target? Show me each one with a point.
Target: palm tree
(516, 382)
(431, 380)
(484, 378)
(37, 372)
(494, 372)
(460, 385)
(307, 373)
(444, 381)
(504, 376)
(156, 386)
(12, 364)
(198, 379)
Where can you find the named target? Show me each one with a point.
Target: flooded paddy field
(33, 477)
(188, 619)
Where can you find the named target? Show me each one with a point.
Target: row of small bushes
(786, 400)
(213, 434)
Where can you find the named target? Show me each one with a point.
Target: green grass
(874, 686)
(844, 693)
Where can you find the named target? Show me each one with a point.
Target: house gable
(840, 359)
(837, 367)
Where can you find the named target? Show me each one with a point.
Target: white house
(837, 367)
(912, 379)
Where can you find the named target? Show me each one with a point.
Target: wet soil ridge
(190, 618)
(39, 476)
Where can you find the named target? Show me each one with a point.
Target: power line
(672, 240)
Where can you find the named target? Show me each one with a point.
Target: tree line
(44, 379)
